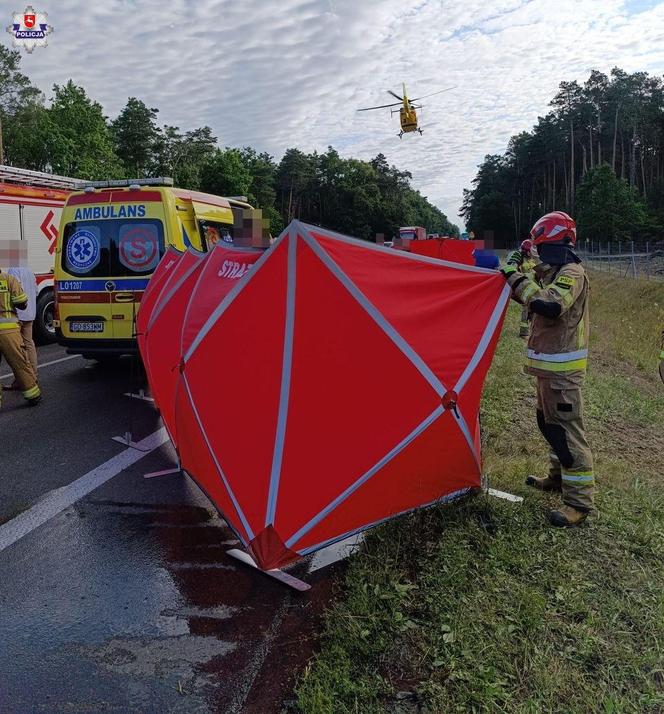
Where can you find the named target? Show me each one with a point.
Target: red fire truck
(30, 207)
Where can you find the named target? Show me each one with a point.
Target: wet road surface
(125, 599)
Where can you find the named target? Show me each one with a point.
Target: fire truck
(30, 206)
(407, 235)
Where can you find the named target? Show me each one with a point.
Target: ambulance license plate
(86, 326)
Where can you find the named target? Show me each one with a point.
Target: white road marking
(61, 498)
(45, 364)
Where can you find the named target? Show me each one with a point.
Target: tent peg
(126, 440)
(503, 494)
(139, 395)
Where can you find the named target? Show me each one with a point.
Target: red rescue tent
(162, 335)
(165, 324)
(152, 292)
(335, 385)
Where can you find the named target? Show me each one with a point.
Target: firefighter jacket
(11, 295)
(558, 302)
(527, 266)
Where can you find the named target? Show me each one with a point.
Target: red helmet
(556, 227)
(526, 246)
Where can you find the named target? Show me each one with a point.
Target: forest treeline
(71, 136)
(597, 154)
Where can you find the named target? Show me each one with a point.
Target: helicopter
(407, 112)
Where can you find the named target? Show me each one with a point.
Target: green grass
(479, 605)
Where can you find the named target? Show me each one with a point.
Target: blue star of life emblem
(83, 250)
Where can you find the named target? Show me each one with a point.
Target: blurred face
(255, 230)
(13, 253)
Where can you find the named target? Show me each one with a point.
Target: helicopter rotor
(433, 94)
(382, 106)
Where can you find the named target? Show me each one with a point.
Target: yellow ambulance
(112, 236)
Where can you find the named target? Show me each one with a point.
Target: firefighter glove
(515, 258)
(508, 270)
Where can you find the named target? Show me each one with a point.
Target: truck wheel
(43, 326)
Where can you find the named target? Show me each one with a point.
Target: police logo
(29, 29)
(83, 251)
(110, 286)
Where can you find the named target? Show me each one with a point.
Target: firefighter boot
(567, 516)
(547, 483)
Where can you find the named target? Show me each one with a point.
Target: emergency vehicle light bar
(121, 183)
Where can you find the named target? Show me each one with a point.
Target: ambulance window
(85, 250)
(213, 233)
(113, 247)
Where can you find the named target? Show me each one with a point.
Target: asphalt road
(116, 593)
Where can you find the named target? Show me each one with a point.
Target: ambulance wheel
(44, 330)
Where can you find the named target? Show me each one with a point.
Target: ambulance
(30, 206)
(112, 236)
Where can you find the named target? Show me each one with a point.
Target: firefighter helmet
(556, 227)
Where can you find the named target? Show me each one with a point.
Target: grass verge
(479, 605)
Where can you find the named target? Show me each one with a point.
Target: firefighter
(557, 355)
(13, 298)
(527, 264)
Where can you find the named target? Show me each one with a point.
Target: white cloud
(291, 73)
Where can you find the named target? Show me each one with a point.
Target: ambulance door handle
(124, 297)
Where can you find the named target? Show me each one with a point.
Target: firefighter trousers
(29, 345)
(560, 419)
(13, 350)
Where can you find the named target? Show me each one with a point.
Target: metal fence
(624, 258)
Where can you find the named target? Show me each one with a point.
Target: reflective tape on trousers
(581, 477)
(559, 357)
(579, 364)
(32, 392)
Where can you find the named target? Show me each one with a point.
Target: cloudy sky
(274, 74)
